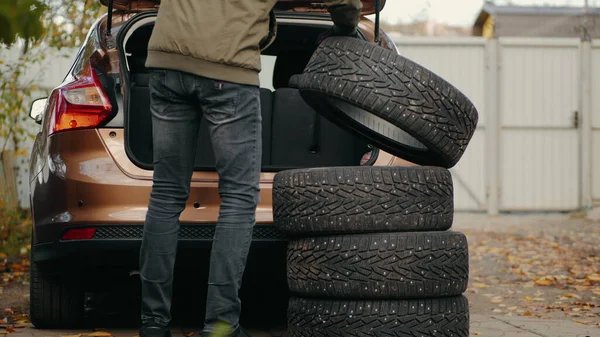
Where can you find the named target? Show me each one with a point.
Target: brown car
(91, 164)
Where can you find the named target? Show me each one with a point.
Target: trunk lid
(317, 6)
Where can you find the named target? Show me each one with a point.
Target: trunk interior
(294, 135)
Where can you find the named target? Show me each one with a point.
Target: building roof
(489, 9)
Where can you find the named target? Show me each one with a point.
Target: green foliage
(21, 18)
(76, 17)
(15, 230)
(51, 25)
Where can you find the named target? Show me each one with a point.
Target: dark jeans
(178, 103)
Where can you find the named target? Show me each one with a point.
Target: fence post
(492, 132)
(585, 101)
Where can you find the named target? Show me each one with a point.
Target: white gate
(530, 151)
(595, 97)
(539, 102)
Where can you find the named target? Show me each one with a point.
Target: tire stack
(371, 250)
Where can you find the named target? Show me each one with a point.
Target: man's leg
(234, 117)
(175, 125)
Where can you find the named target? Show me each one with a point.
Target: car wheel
(423, 317)
(363, 199)
(56, 298)
(400, 106)
(379, 266)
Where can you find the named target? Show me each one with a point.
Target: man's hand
(345, 17)
(338, 31)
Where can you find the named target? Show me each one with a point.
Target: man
(205, 60)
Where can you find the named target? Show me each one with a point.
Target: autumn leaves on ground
(15, 233)
(538, 266)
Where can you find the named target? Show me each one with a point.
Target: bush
(15, 231)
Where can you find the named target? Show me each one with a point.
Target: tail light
(79, 104)
(79, 234)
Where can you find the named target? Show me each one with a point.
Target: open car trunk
(294, 135)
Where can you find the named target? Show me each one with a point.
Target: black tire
(398, 105)
(399, 318)
(363, 199)
(379, 266)
(56, 299)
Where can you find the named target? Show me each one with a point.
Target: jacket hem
(200, 67)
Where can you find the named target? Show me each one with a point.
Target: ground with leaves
(537, 266)
(531, 266)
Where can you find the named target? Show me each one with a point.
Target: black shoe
(155, 331)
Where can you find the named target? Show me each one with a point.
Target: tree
(57, 25)
(30, 31)
(20, 18)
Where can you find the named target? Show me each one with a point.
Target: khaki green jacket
(220, 39)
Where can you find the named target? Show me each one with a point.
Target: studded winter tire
(448, 317)
(398, 105)
(379, 266)
(351, 200)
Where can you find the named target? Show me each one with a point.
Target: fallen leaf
(595, 278)
(496, 301)
(476, 333)
(527, 313)
(189, 334)
(528, 299)
(17, 267)
(543, 282)
(581, 322)
(10, 330)
(72, 335)
(480, 285)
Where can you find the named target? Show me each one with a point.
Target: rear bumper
(120, 244)
(83, 177)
